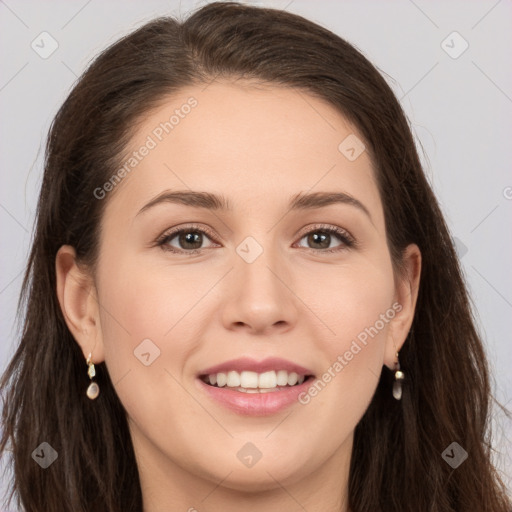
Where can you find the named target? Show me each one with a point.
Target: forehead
(242, 117)
(248, 141)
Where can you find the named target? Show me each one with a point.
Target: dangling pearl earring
(93, 390)
(399, 377)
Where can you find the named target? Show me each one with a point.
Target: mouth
(254, 382)
(249, 387)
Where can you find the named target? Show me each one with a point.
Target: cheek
(358, 309)
(143, 323)
(147, 318)
(146, 301)
(352, 300)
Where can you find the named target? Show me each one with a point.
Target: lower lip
(255, 404)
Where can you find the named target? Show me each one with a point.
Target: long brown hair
(397, 462)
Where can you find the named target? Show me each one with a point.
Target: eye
(189, 239)
(322, 236)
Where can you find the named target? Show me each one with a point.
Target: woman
(242, 293)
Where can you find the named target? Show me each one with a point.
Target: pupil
(191, 238)
(322, 237)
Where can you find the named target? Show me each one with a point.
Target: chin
(259, 478)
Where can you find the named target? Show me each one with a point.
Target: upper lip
(252, 365)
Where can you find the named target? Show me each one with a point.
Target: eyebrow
(209, 201)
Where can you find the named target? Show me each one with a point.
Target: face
(274, 283)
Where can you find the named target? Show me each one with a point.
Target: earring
(399, 377)
(93, 390)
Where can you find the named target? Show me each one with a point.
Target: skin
(258, 146)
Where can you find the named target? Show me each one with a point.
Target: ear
(406, 294)
(78, 301)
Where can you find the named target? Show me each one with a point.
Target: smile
(253, 382)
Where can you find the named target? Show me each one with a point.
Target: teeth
(221, 379)
(233, 380)
(257, 390)
(292, 379)
(249, 380)
(252, 382)
(282, 378)
(267, 380)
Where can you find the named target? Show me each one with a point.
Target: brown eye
(321, 239)
(187, 240)
(190, 240)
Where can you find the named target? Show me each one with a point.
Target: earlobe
(77, 298)
(406, 296)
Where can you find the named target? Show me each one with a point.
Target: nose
(259, 296)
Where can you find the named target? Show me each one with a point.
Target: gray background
(460, 111)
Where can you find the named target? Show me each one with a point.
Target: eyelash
(347, 240)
